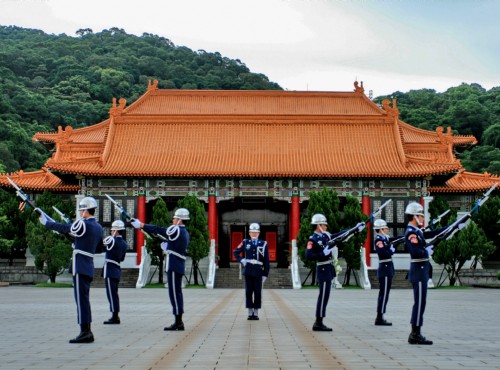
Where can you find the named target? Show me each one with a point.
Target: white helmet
(379, 224)
(118, 225)
(182, 213)
(318, 219)
(254, 228)
(87, 203)
(415, 209)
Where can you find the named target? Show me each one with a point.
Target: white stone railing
(294, 266)
(144, 268)
(364, 281)
(212, 266)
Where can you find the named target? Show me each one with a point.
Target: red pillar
(294, 217)
(139, 235)
(212, 220)
(366, 209)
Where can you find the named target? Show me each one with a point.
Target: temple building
(253, 156)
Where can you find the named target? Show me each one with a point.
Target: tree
(352, 214)
(438, 206)
(52, 251)
(199, 242)
(327, 203)
(12, 229)
(468, 243)
(161, 217)
(487, 219)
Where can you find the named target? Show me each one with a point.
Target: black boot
(319, 326)
(417, 338)
(115, 319)
(177, 325)
(85, 335)
(381, 321)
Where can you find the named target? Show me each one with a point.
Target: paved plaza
(36, 324)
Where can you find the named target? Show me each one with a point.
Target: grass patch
(454, 287)
(54, 285)
(153, 286)
(192, 286)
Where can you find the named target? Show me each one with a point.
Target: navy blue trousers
(324, 295)
(419, 302)
(81, 288)
(385, 284)
(174, 281)
(112, 293)
(253, 291)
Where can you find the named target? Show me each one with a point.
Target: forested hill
(57, 80)
(48, 81)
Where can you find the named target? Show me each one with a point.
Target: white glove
(73, 245)
(136, 223)
(243, 261)
(43, 218)
(361, 226)
(327, 251)
(264, 278)
(164, 246)
(429, 250)
(392, 249)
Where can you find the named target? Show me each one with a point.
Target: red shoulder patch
(380, 244)
(309, 245)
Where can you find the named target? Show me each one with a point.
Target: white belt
(78, 251)
(388, 260)
(324, 263)
(420, 260)
(175, 254)
(255, 262)
(112, 261)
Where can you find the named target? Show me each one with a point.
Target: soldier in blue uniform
(116, 249)
(318, 250)
(255, 261)
(385, 271)
(176, 244)
(88, 241)
(418, 275)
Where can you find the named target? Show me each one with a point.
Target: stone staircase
(398, 282)
(228, 278)
(128, 280)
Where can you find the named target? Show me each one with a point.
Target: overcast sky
(322, 45)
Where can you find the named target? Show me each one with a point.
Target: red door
(236, 238)
(271, 244)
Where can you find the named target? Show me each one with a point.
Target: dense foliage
(57, 80)
(161, 217)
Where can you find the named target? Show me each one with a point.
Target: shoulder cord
(78, 228)
(109, 242)
(171, 230)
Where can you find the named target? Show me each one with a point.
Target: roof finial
(357, 88)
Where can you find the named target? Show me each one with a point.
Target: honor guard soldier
(116, 249)
(176, 244)
(255, 261)
(88, 241)
(385, 271)
(418, 275)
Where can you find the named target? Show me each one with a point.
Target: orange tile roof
(37, 180)
(467, 182)
(204, 133)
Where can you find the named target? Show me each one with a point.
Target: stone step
(128, 279)
(228, 278)
(398, 281)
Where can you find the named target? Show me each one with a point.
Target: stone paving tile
(37, 323)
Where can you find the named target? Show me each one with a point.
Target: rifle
(128, 217)
(455, 226)
(24, 197)
(61, 214)
(342, 238)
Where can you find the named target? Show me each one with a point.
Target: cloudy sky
(323, 45)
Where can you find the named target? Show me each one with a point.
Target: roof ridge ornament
(152, 86)
(391, 111)
(117, 110)
(358, 89)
